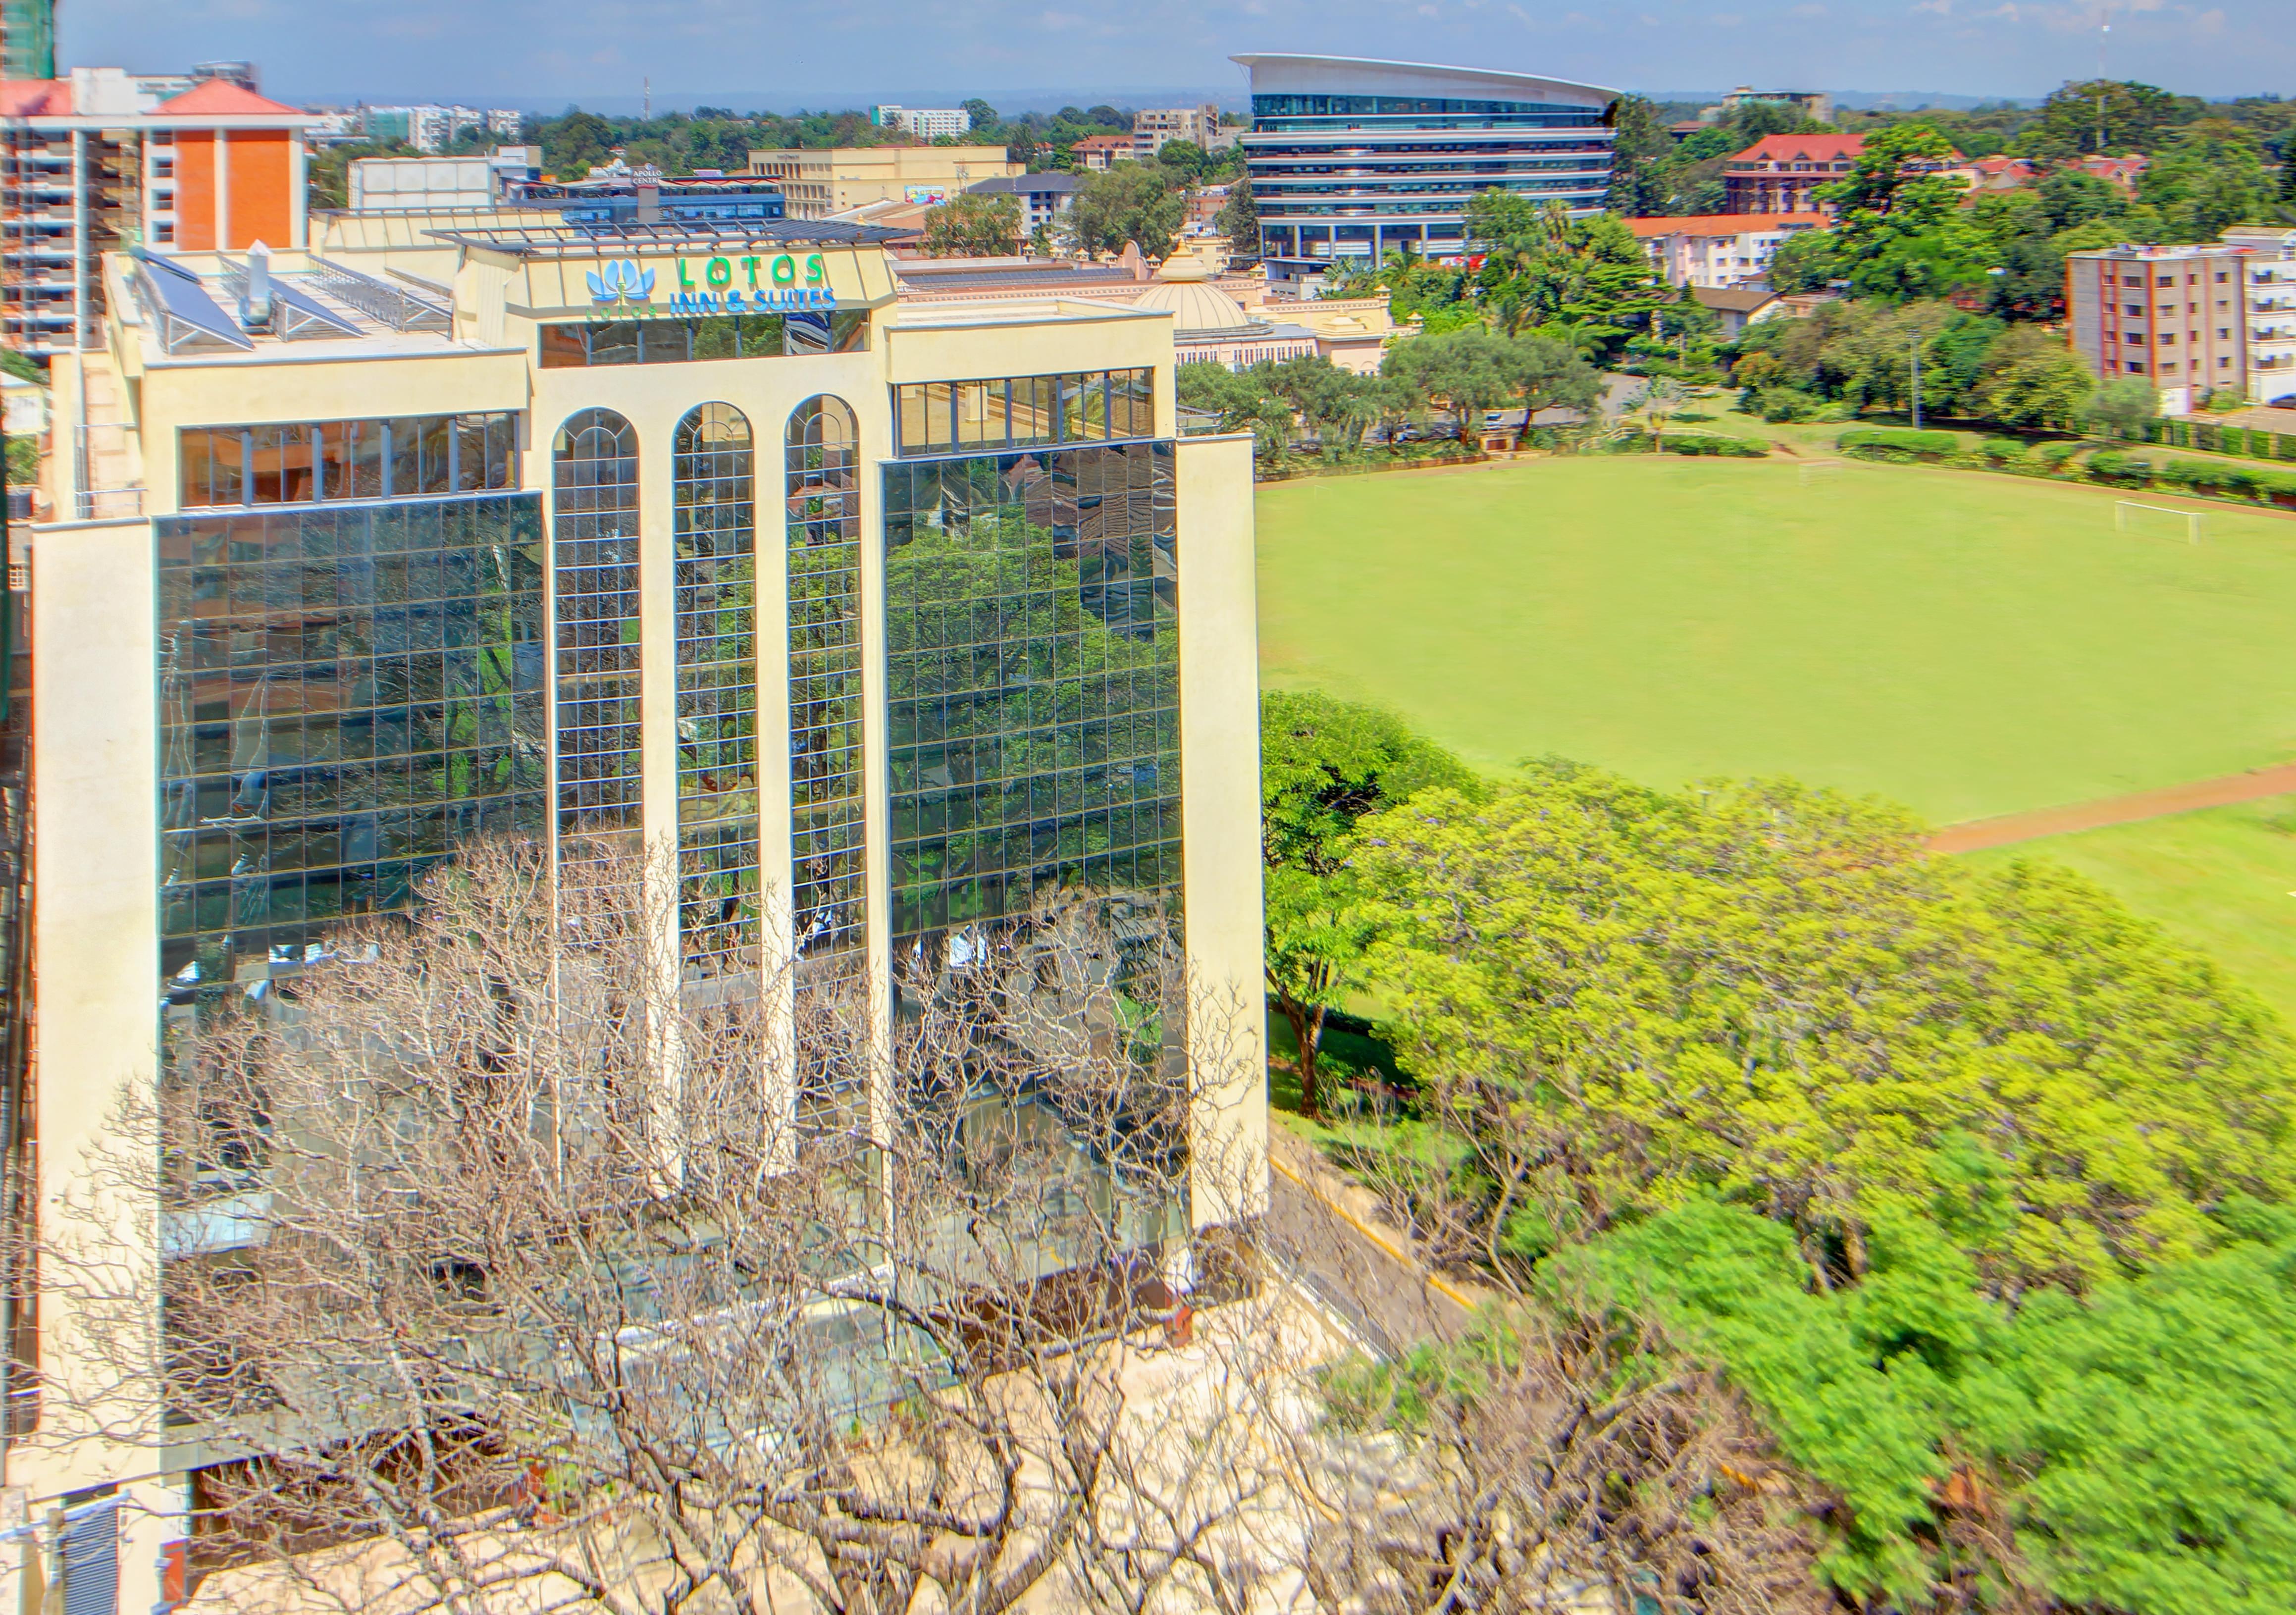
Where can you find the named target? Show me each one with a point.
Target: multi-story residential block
(2191, 320)
(2269, 288)
(1045, 198)
(1781, 173)
(1813, 104)
(505, 123)
(818, 182)
(1719, 248)
(926, 123)
(1098, 153)
(28, 39)
(106, 159)
(428, 534)
(427, 128)
(1353, 158)
(1155, 127)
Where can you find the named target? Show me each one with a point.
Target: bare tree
(506, 1269)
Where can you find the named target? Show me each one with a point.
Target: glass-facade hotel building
(1358, 159)
(888, 623)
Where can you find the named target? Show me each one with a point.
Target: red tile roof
(33, 97)
(1726, 224)
(1802, 148)
(221, 98)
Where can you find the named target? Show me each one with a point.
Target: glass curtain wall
(345, 695)
(716, 584)
(1032, 656)
(824, 499)
(594, 564)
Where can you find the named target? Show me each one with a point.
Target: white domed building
(1209, 327)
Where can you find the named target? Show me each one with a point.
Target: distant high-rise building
(1155, 127)
(1354, 158)
(28, 39)
(926, 123)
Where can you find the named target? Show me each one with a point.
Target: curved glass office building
(1356, 158)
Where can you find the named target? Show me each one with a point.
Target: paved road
(2015, 827)
(1359, 1271)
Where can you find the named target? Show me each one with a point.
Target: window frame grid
(714, 492)
(599, 683)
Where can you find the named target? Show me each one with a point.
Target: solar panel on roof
(185, 307)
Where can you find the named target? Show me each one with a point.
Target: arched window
(594, 566)
(823, 493)
(715, 495)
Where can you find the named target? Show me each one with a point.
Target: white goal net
(2158, 521)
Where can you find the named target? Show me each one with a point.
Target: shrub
(1898, 448)
(1728, 448)
(1782, 403)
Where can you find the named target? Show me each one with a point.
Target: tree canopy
(1767, 992)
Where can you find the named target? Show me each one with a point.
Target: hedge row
(1726, 448)
(1896, 445)
(2192, 476)
(2183, 431)
(2110, 467)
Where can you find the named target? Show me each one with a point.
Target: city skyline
(517, 51)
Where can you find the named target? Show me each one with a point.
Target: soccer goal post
(2159, 520)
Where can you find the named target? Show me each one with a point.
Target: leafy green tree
(2121, 407)
(1238, 218)
(572, 146)
(1133, 202)
(2211, 176)
(1808, 260)
(2031, 380)
(1188, 162)
(1588, 281)
(1325, 764)
(967, 226)
(984, 116)
(2124, 1451)
(1641, 159)
(1617, 997)
(1902, 232)
(2133, 117)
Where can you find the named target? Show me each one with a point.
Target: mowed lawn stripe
(1971, 646)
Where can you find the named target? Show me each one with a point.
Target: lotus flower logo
(623, 281)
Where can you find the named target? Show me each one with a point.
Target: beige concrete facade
(97, 764)
(821, 181)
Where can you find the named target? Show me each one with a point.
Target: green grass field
(1966, 644)
(2223, 879)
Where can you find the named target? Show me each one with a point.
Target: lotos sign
(764, 284)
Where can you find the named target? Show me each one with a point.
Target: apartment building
(926, 123)
(818, 182)
(2176, 315)
(1045, 198)
(1098, 153)
(1155, 127)
(106, 159)
(1781, 173)
(1719, 250)
(2269, 287)
(424, 549)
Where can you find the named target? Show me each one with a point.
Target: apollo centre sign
(783, 282)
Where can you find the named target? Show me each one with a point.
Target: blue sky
(844, 52)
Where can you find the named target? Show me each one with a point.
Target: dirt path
(2013, 827)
